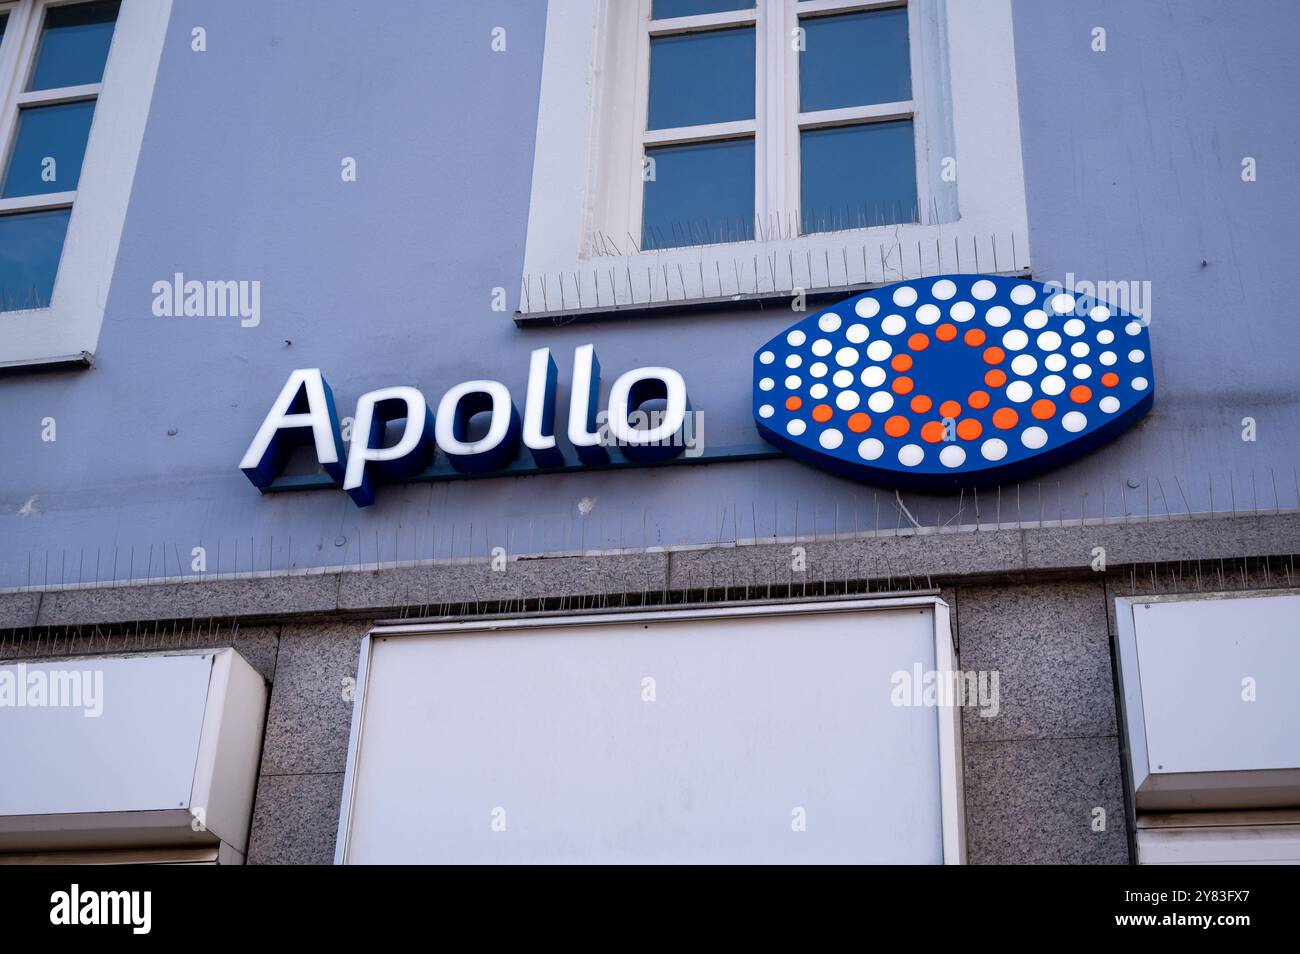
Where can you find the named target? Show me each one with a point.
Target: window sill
(77, 361)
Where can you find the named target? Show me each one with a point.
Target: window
(75, 81)
(716, 150)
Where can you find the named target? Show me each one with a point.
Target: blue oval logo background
(953, 380)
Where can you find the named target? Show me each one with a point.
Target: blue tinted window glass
(698, 78)
(854, 59)
(666, 9)
(74, 45)
(4, 19)
(701, 193)
(30, 246)
(858, 176)
(48, 149)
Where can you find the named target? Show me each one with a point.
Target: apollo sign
(305, 414)
(929, 385)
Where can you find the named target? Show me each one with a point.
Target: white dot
(1109, 404)
(793, 361)
(984, 289)
(997, 316)
(842, 378)
(1062, 304)
(818, 391)
(1135, 355)
(1074, 422)
(796, 427)
(1139, 384)
(994, 449)
(1033, 437)
(943, 289)
(1049, 341)
(1107, 358)
(1074, 327)
(893, 325)
(909, 455)
(846, 357)
(830, 438)
(928, 314)
(880, 401)
(1024, 365)
(793, 382)
(821, 347)
(857, 333)
(1023, 294)
(905, 296)
(1099, 313)
(1054, 362)
(1082, 371)
(1052, 385)
(962, 311)
(796, 337)
(847, 400)
(767, 384)
(766, 410)
(828, 322)
(879, 350)
(952, 456)
(818, 369)
(1133, 328)
(1105, 336)
(1080, 349)
(867, 307)
(1035, 319)
(1015, 340)
(1019, 391)
(767, 357)
(870, 449)
(873, 377)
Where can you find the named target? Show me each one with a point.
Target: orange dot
(949, 409)
(995, 378)
(918, 342)
(932, 432)
(896, 426)
(793, 403)
(968, 429)
(1080, 394)
(901, 362)
(1110, 379)
(974, 337)
(822, 413)
(945, 332)
(1043, 409)
(978, 400)
(902, 385)
(994, 355)
(921, 404)
(1004, 418)
(859, 422)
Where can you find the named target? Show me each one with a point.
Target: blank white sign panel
(539, 744)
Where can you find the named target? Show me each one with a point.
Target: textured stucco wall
(1132, 162)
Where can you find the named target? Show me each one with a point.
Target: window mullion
(20, 34)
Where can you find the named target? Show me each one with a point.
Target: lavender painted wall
(1132, 161)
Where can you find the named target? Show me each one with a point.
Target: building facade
(202, 199)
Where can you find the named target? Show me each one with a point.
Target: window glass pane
(30, 246)
(48, 149)
(664, 9)
(4, 19)
(701, 193)
(854, 59)
(858, 176)
(74, 45)
(698, 78)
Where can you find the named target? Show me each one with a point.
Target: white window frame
(591, 133)
(66, 331)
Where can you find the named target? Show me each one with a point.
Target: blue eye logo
(953, 381)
